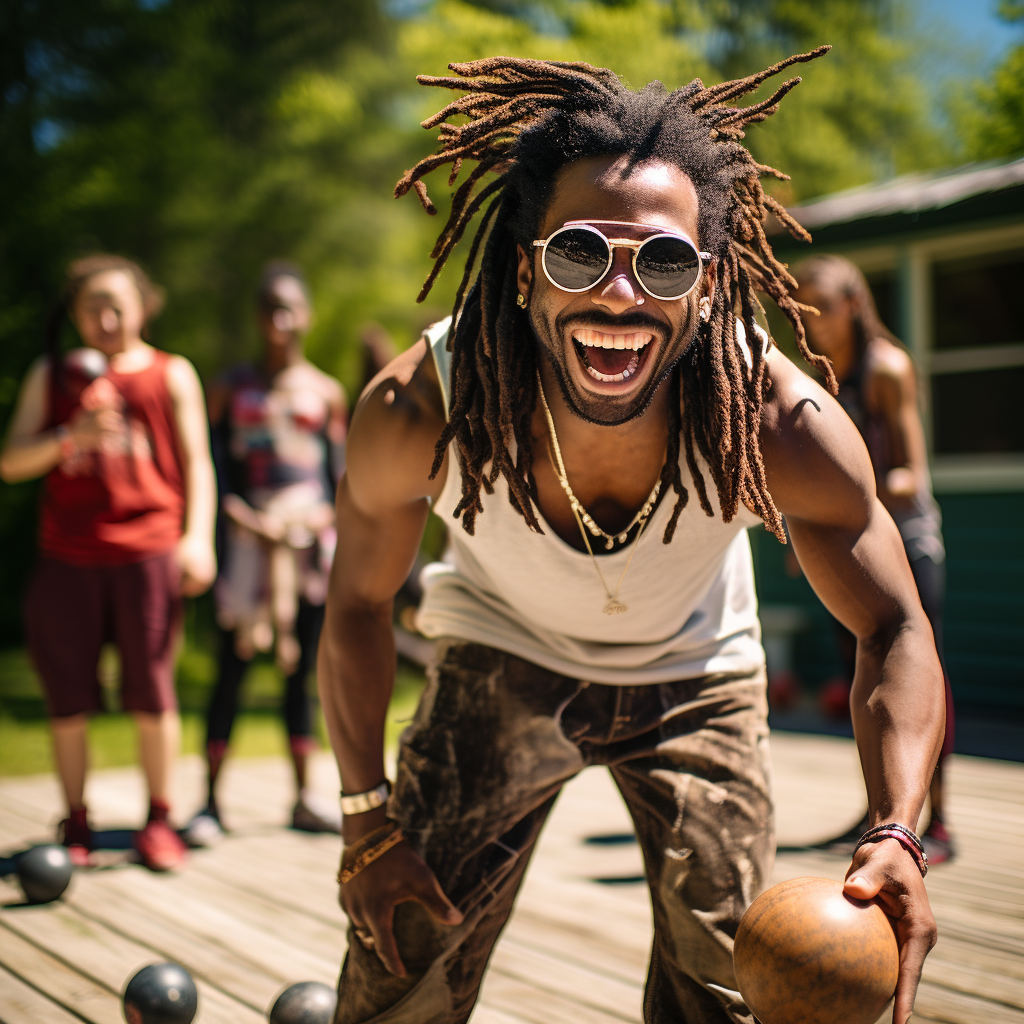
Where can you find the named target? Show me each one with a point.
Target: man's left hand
(198, 564)
(886, 872)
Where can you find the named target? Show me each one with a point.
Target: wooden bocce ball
(805, 953)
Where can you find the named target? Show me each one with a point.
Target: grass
(25, 736)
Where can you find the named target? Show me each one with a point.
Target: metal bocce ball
(308, 1002)
(44, 872)
(161, 994)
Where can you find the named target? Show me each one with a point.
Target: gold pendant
(614, 607)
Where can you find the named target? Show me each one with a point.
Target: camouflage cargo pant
(494, 740)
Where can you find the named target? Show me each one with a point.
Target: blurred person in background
(278, 432)
(878, 390)
(126, 529)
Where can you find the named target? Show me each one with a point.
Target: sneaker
(315, 819)
(938, 843)
(159, 846)
(204, 829)
(74, 833)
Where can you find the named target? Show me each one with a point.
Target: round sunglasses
(577, 256)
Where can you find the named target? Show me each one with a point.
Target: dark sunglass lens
(668, 267)
(576, 259)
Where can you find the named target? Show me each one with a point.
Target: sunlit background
(205, 137)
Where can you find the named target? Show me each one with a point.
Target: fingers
(372, 913)
(383, 936)
(864, 884)
(886, 872)
(912, 955)
(439, 906)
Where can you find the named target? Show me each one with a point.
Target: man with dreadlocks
(604, 347)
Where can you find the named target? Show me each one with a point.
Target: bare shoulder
(890, 361)
(816, 465)
(889, 378)
(395, 428)
(182, 378)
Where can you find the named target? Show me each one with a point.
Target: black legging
(296, 708)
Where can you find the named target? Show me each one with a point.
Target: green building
(944, 254)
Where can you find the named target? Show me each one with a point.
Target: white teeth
(611, 378)
(598, 339)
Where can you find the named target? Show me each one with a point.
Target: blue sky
(978, 32)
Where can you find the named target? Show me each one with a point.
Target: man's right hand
(370, 898)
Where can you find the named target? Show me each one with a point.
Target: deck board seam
(207, 978)
(15, 973)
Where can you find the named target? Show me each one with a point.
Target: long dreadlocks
(525, 120)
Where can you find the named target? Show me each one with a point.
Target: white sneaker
(204, 829)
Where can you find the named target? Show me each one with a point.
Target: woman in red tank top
(119, 431)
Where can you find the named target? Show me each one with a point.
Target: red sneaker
(159, 847)
(938, 843)
(75, 834)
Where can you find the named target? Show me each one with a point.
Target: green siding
(984, 618)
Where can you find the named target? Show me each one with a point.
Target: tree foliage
(992, 120)
(205, 137)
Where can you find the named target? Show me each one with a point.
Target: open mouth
(611, 357)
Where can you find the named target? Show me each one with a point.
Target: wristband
(906, 837)
(360, 803)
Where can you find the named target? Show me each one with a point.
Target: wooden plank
(232, 968)
(89, 1001)
(109, 959)
(939, 1003)
(540, 1004)
(594, 989)
(22, 1004)
(262, 905)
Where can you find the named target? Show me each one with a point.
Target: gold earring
(705, 308)
(521, 300)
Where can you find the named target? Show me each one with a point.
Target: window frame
(911, 260)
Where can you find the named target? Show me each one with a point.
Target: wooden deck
(259, 911)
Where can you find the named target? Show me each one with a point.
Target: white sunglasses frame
(620, 243)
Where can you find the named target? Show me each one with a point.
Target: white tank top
(691, 606)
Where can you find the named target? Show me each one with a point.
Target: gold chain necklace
(613, 606)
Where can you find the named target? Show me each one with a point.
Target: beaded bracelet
(363, 853)
(906, 837)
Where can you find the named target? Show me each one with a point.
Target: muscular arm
(382, 506)
(820, 477)
(892, 391)
(195, 549)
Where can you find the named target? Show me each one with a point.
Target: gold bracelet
(364, 852)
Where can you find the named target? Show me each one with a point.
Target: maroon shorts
(72, 610)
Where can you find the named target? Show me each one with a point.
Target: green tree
(992, 120)
(207, 136)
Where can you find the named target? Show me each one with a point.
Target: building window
(977, 356)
